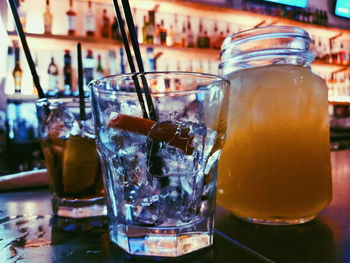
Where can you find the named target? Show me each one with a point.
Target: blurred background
(174, 35)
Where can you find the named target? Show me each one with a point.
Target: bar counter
(28, 233)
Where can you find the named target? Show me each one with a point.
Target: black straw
(136, 47)
(80, 82)
(155, 161)
(30, 61)
(129, 56)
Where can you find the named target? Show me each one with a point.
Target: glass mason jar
(275, 167)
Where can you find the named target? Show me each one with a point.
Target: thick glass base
(278, 221)
(79, 214)
(78, 208)
(160, 241)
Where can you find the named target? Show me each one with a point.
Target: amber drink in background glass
(160, 174)
(275, 166)
(72, 162)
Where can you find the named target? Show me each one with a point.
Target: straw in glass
(130, 60)
(135, 44)
(155, 161)
(130, 24)
(80, 84)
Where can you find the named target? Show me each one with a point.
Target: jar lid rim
(266, 31)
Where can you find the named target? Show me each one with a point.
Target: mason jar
(275, 167)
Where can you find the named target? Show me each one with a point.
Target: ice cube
(174, 161)
(60, 122)
(189, 210)
(87, 129)
(148, 214)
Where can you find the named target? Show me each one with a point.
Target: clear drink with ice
(160, 176)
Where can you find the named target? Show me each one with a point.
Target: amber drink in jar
(275, 166)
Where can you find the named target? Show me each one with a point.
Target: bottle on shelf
(219, 40)
(177, 82)
(184, 36)
(190, 36)
(99, 68)
(156, 37)
(162, 34)
(72, 16)
(47, 18)
(170, 37)
(122, 64)
(89, 66)
(52, 71)
(144, 30)
(112, 62)
(150, 60)
(67, 75)
(215, 39)
(202, 39)
(22, 14)
(17, 71)
(134, 14)
(342, 56)
(150, 27)
(167, 81)
(90, 21)
(177, 33)
(105, 24)
(39, 71)
(115, 30)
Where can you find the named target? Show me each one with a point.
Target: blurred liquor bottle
(115, 30)
(144, 30)
(170, 36)
(112, 59)
(122, 64)
(72, 16)
(67, 74)
(90, 21)
(162, 34)
(134, 14)
(190, 36)
(17, 71)
(105, 24)
(99, 68)
(150, 27)
(52, 71)
(183, 36)
(177, 33)
(22, 14)
(203, 40)
(89, 66)
(47, 18)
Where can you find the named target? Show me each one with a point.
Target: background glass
(161, 176)
(71, 159)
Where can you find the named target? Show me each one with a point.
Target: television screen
(342, 8)
(297, 3)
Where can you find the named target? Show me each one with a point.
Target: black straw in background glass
(80, 84)
(129, 56)
(22, 36)
(136, 47)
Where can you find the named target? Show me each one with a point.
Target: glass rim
(172, 74)
(64, 99)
